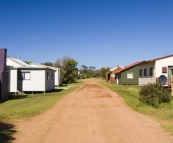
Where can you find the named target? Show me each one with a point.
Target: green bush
(153, 94)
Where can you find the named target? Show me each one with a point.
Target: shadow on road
(6, 132)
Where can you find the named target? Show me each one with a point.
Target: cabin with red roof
(128, 75)
(110, 76)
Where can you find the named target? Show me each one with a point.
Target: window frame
(151, 71)
(22, 75)
(141, 72)
(145, 72)
(130, 73)
(48, 76)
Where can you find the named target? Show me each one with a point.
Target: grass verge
(29, 105)
(164, 113)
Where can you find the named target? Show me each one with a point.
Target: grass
(164, 113)
(29, 105)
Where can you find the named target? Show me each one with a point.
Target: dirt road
(91, 114)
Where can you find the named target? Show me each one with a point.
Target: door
(169, 74)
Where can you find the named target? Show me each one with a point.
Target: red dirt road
(91, 114)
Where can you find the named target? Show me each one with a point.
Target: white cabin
(58, 73)
(151, 70)
(31, 79)
(25, 78)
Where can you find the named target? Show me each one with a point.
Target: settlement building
(152, 70)
(128, 75)
(58, 73)
(25, 78)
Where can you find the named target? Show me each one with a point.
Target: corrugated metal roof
(18, 61)
(31, 68)
(129, 66)
(160, 58)
(40, 65)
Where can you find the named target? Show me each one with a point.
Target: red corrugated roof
(119, 68)
(129, 66)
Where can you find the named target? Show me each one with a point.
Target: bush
(153, 94)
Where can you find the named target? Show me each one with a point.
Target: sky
(99, 33)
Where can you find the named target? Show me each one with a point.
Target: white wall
(13, 80)
(163, 63)
(36, 82)
(57, 78)
(147, 79)
(58, 73)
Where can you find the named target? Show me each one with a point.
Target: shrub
(153, 94)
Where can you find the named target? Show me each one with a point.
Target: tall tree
(103, 71)
(47, 63)
(69, 67)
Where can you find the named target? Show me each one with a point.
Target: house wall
(60, 75)
(125, 80)
(50, 83)
(36, 82)
(58, 80)
(147, 79)
(163, 63)
(13, 80)
(112, 77)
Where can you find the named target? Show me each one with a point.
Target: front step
(20, 92)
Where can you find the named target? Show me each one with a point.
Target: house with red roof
(159, 68)
(110, 76)
(128, 75)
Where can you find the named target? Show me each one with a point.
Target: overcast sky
(100, 33)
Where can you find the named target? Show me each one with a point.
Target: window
(151, 71)
(140, 72)
(24, 75)
(145, 72)
(130, 75)
(164, 69)
(47, 75)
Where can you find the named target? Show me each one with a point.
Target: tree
(103, 71)
(69, 67)
(27, 62)
(47, 63)
(84, 69)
